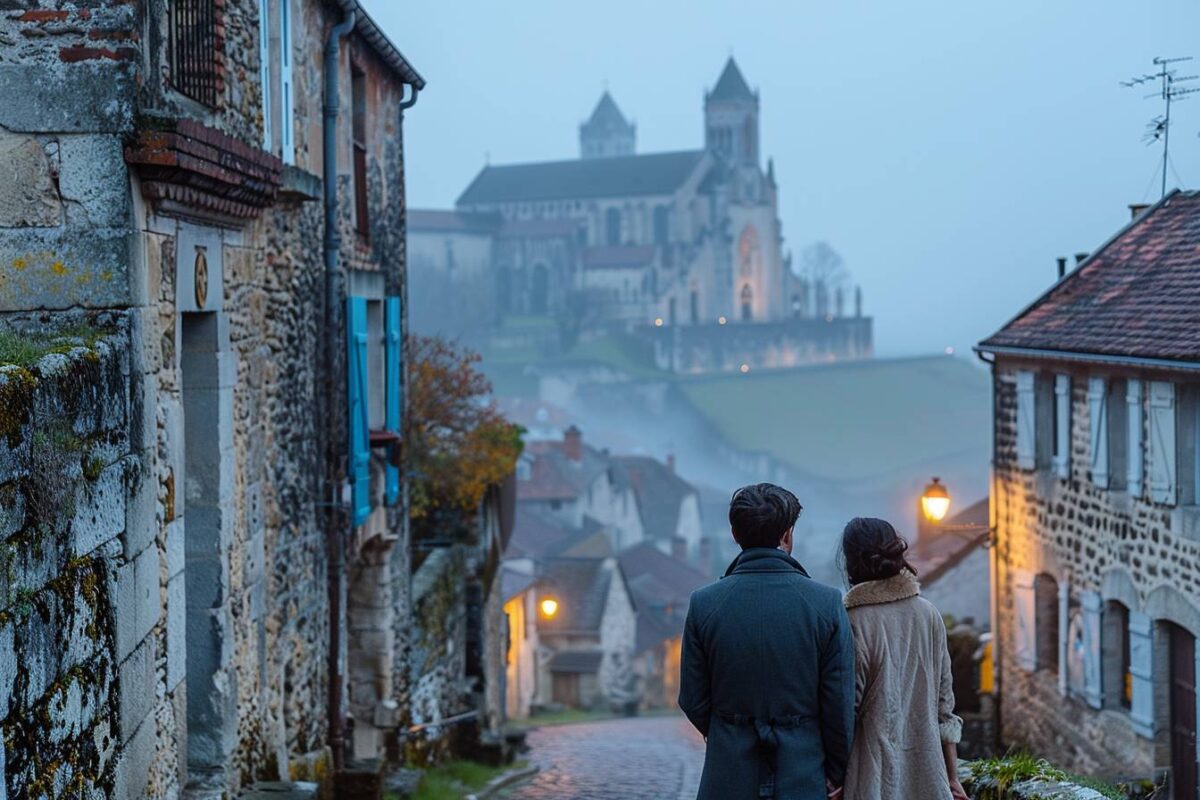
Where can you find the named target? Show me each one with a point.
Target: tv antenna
(1170, 90)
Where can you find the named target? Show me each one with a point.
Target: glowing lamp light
(658, 322)
(949, 351)
(745, 368)
(721, 320)
(548, 607)
(935, 501)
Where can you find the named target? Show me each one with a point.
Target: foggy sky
(949, 151)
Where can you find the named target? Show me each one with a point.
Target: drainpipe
(404, 494)
(337, 524)
(994, 568)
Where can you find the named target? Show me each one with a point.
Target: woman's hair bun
(872, 550)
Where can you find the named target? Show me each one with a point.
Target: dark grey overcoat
(767, 677)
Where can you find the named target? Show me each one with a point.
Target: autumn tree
(458, 443)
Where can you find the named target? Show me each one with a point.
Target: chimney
(1062, 268)
(1136, 209)
(671, 462)
(573, 443)
(679, 548)
(1080, 258)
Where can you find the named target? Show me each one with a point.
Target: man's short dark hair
(760, 514)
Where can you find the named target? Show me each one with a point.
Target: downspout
(994, 565)
(334, 464)
(404, 486)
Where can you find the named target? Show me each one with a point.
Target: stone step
(280, 790)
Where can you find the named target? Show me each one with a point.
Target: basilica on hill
(681, 248)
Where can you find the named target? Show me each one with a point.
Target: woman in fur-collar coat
(905, 730)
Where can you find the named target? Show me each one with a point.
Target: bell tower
(731, 118)
(607, 132)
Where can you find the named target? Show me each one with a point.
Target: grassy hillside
(854, 420)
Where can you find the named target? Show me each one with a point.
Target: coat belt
(767, 742)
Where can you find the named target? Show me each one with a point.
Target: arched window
(1045, 591)
(612, 226)
(539, 290)
(661, 226)
(747, 303)
(1117, 679)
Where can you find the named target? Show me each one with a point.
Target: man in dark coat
(767, 675)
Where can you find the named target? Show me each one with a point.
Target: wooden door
(1183, 714)
(565, 689)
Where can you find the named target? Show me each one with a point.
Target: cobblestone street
(656, 758)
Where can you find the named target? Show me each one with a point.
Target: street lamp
(548, 607)
(935, 501)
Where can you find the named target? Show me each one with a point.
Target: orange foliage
(458, 443)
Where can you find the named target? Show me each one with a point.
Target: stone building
(687, 241)
(202, 259)
(1096, 503)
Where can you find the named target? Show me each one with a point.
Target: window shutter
(1064, 636)
(1092, 689)
(394, 391)
(264, 60)
(1026, 430)
(1141, 668)
(1062, 428)
(1025, 634)
(1133, 443)
(1162, 442)
(360, 444)
(1098, 420)
(287, 112)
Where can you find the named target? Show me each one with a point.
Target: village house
(1096, 502)
(202, 248)
(668, 507)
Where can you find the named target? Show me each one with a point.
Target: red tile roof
(1138, 296)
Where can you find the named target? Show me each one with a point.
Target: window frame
(358, 147)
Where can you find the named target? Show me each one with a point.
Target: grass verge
(454, 780)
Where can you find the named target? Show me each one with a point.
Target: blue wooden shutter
(394, 389)
(1062, 427)
(287, 111)
(1098, 421)
(1141, 668)
(1024, 615)
(264, 61)
(1092, 690)
(1162, 442)
(1026, 430)
(360, 443)
(1133, 400)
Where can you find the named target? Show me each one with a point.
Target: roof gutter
(374, 35)
(1091, 358)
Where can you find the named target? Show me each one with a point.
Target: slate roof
(731, 85)
(431, 220)
(581, 586)
(1137, 296)
(606, 116)
(661, 586)
(513, 583)
(554, 476)
(539, 535)
(577, 661)
(618, 257)
(618, 176)
(659, 491)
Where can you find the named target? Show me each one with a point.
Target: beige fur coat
(904, 696)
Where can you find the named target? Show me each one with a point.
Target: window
(1045, 422)
(1133, 436)
(661, 226)
(1118, 435)
(358, 126)
(1189, 444)
(1163, 455)
(612, 226)
(694, 306)
(376, 380)
(747, 303)
(1061, 460)
(287, 114)
(195, 48)
(1098, 431)
(264, 70)
(1118, 680)
(1046, 621)
(1026, 424)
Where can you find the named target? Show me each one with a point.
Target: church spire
(731, 85)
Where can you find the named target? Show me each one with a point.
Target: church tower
(607, 132)
(731, 118)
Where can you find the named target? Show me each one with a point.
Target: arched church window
(747, 303)
(661, 225)
(539, 290)
(612, 226)
(749, 253)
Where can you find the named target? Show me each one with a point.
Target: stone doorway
(1183, 713)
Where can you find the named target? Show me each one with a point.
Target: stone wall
(1091, 540)
(79, 593)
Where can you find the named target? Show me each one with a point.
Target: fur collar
(898, 587)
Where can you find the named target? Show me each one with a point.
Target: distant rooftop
(731, 85)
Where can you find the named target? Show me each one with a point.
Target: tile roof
(1137, 296)
(618, 176)
(554, 476)
(581, 586)
(937, 557)
(731, 85)
(539, 535)
(513, 583)
(661, 586)
(660, 492)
